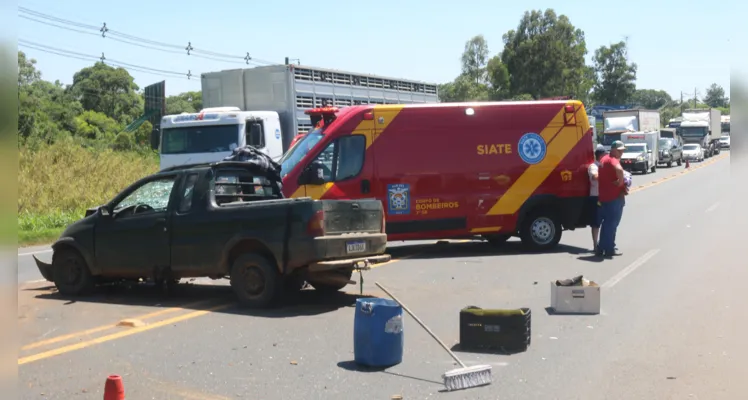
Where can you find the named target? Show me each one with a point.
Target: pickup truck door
(135, 238)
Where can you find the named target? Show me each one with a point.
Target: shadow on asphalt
(472, 249)
(352, 366)
(197, 297)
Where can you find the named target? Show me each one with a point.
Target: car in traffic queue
(670, 152)
(225, 219)
(724, 142)
(693, 152)
(635, 158)
(450, 170)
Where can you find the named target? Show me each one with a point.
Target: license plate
(355, 247)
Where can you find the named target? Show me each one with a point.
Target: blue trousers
(611, 213)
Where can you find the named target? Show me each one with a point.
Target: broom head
(464, 378)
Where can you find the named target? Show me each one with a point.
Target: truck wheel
(680, 161)
(328, 287)
(70, 273)
(654, 168)
(670, 164)
(541, 230)
(255, 281)
(497, 239)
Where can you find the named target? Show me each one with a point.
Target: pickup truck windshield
(634, 148)
(200, 139)
(289, 160)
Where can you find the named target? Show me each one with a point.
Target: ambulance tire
(541, 230)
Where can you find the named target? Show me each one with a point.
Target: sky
(677, 48)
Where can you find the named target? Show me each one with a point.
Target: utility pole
(695, 93)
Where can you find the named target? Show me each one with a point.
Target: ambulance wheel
(497, 239)
(541, 230)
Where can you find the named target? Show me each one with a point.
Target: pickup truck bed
(219, 220)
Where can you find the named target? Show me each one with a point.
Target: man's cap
(618, 145)
(600, 149)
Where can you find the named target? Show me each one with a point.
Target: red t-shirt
(607, 177)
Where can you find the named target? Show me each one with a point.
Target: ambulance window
(350, 156)
(343, 159)
(255, 134)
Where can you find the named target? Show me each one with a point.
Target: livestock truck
(267, 107)
(704, 127)
(617, 122)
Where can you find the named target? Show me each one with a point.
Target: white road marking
(631, 268)
(712, 207)
(35, 252)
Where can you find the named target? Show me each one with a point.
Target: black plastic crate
(502, 330)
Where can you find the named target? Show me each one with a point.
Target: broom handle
(422, 324)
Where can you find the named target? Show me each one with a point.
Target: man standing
(593, 206)
(612, 190)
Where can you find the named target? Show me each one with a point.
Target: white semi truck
(702, 126)
(267, 107)
(618, 122)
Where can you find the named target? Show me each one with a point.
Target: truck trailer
(272, 102)
(618, 122)
(704, 127)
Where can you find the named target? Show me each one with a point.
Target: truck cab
(213, 133)
(641, 153)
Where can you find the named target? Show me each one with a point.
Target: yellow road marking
(118, 335)
(110, 326)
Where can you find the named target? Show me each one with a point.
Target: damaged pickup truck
(220, 220)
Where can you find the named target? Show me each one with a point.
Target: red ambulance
(495, 169)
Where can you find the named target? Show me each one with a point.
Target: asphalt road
(670, 326)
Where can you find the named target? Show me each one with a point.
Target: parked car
(693, 152)
(724, 142)
(670, 152)
(226, 219)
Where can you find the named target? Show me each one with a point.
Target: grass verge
(58, 182)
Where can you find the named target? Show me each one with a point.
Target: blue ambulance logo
(277, 133)
(398, 199)
(531, 148)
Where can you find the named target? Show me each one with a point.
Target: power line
(102, 58)
(108, 33)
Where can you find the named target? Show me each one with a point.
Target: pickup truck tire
(71, 274)
(541, 230)
(255, 281)
(654, 169)
(680, 161)
(333, 287)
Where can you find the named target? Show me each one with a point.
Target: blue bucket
(378, 333)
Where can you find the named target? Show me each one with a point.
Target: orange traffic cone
(114, 390)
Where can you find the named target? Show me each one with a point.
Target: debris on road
(495, 329)
(131, 323)
(575, 296)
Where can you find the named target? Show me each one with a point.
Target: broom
(456, 379)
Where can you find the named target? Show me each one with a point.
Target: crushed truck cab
(495, 169)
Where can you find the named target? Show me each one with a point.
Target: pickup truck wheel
(654, 168)
(541, 230)
(333, 287)
(680, 161)
(670, 163)
(71, 274)
(255, 281)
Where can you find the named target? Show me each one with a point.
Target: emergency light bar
(322, 116)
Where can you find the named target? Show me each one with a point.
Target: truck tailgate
(348, 216)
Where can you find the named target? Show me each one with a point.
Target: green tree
(715, 96)
(108, 90)
(463, 88)
(545, 57)
(651, 99)
(498, 78)
(616, 77)
(189, 102)
(474, 58)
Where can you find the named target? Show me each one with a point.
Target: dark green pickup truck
(219, 220)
